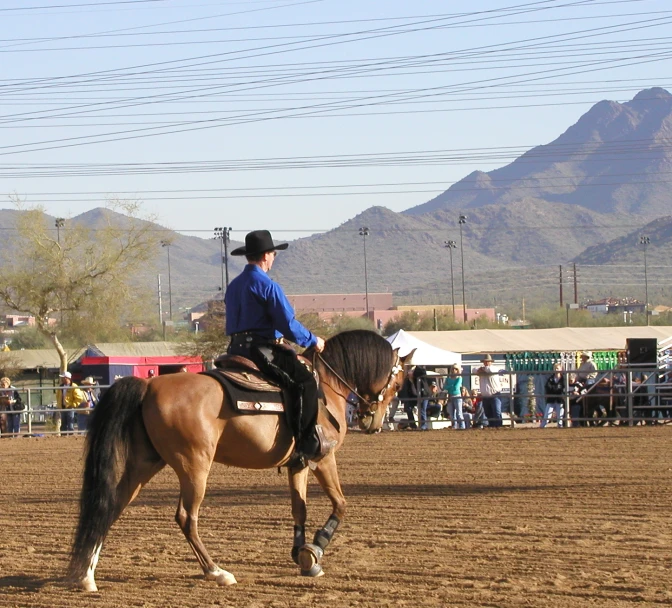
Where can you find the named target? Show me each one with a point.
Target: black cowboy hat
(258, 241)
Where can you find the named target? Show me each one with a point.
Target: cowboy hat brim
(243, 250)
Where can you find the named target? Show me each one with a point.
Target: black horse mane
(361, 357)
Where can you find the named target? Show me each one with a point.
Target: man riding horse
(259, 319)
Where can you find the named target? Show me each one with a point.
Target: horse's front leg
(310, 555)
(298, 486)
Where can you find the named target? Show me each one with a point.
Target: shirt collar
(253, 268)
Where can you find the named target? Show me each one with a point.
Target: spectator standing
(89, 388)
(407, 398)
(453, 387)
(423, 391)
(68, 397)
(490, 391)
(574, 391)
(10, 402)
(587, 372)
(555, 389)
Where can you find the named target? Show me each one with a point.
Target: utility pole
(158, 277)
(364, 232)
(561, 299)
(166, 244)
(576, 287)
(644, 241)
(450, 245)
(461, 221)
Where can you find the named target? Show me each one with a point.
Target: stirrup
(326, 446)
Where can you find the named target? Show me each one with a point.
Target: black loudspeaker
(642, 351)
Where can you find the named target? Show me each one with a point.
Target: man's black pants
(280, 363)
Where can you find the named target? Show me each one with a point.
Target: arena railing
(41, 419)
(629, 395)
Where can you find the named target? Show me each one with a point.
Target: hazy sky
(298, 115)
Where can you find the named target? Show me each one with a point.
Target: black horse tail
(106, 453)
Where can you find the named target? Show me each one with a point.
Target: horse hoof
(309, 560)
(88, 585)
(221, 577)
(295, 555)
(314, 572)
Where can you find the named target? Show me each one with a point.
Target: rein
(371, 404)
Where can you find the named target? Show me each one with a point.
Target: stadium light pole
(166, 244)
(644, 241)
(364, 232)
(461, 221)
(450, 245)
(223, 233)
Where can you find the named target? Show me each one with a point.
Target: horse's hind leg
(192, 491)
(139, 470)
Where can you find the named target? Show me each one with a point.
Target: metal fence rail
(621, 396)
(628, 395)
(41, 420)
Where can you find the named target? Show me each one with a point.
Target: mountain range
(584, 198)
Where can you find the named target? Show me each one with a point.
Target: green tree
(27, 338)
(76, 281)
(211, 339)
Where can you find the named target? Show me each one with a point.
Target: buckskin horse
(187, 422)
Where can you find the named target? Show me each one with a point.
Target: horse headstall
(372, 405)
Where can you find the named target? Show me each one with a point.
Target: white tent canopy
(559, 340)
(425, 354)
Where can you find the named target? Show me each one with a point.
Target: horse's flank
(196, 406)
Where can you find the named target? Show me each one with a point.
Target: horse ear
(408, 358)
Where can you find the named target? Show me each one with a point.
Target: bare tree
(68, 273)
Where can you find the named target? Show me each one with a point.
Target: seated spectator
(467, 407)
(433, 406)
(598, 401)
(480, 420)
(587, 372)
(555, 389)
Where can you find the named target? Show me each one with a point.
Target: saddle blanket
(248, 401)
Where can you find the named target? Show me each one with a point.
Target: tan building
(340, 302)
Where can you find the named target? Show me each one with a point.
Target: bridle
(371, 405)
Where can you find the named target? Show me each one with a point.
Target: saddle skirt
(245, 374)
(247, 388)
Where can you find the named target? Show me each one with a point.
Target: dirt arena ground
(510, 517)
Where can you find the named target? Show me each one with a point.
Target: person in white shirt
(587, 372)
(490, 391)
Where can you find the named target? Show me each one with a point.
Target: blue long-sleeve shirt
(256, 303)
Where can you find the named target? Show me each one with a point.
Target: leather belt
(246, 339)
